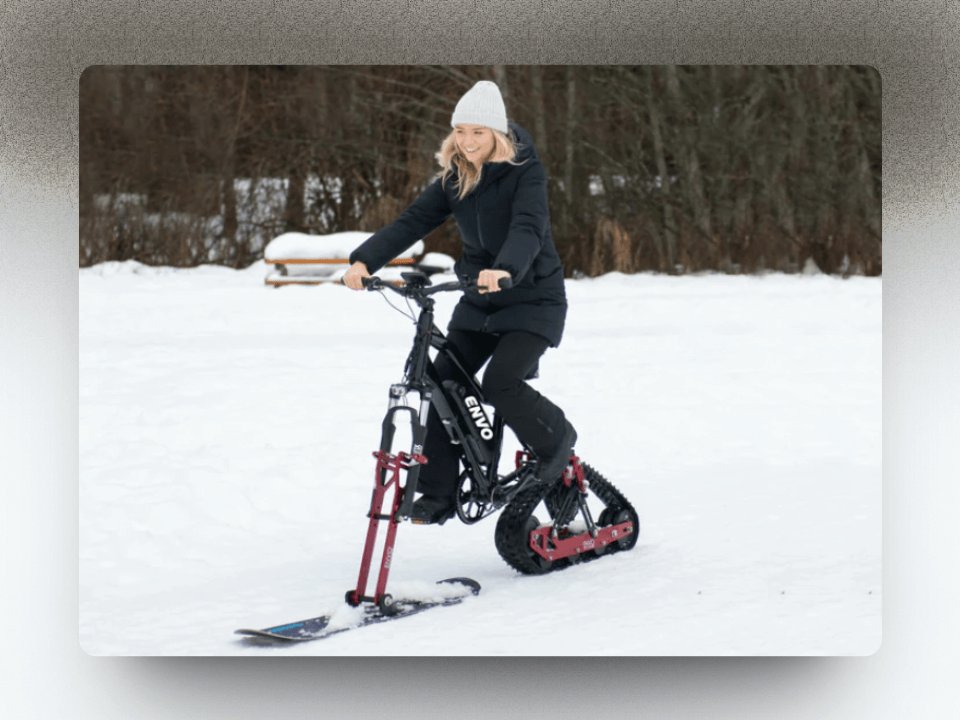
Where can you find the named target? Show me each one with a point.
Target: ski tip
(468, 582)
(251, 634)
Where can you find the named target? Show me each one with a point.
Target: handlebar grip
(505, 283)
(371, 283)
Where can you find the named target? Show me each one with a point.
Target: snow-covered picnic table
(298, 258)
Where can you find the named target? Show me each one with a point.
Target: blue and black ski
(318, 628)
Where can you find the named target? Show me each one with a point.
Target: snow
(299, 246)
(226, 432)
(438, 260)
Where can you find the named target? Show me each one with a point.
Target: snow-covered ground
(225, 468)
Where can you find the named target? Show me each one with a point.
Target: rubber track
(512, 538)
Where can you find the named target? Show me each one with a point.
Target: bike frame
(458, 400)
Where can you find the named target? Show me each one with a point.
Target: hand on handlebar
(488, 280)
(354, 276)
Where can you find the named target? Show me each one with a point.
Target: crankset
(474, 505)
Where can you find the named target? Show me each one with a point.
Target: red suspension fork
(574, 472)
(386, 475)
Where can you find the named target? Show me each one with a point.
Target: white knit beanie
(482, 105)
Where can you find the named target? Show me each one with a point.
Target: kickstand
(387, 475)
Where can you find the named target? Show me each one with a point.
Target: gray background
(45, 45)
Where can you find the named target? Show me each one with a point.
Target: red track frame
(551, 548)
(555, 549)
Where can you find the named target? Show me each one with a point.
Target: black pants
(535, 420)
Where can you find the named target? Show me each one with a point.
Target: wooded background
(665, 168)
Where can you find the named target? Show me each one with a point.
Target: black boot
(432, 510)
(552, 463)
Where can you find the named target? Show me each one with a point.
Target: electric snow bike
(521, 540)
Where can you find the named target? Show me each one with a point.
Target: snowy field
(225, 468)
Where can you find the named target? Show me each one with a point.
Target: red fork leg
(389, 541)
(376, 506)
(388, 467)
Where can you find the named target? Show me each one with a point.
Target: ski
(319, 628)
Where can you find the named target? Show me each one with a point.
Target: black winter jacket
(504, 224)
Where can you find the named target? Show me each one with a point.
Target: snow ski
(319, 628)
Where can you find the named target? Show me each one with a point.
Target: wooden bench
(281, 275)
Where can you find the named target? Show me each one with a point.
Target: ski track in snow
(226, 432)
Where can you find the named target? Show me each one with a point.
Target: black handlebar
(418, 285)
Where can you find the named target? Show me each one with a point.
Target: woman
(495, 186)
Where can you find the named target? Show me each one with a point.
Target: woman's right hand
(353, 278)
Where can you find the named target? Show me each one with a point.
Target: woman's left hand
(488, 280)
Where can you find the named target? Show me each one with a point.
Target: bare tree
(570, 128)
(684, 114)
(663, 178)
(539, 113)
(500, 77)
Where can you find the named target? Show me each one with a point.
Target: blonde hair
(452, 160)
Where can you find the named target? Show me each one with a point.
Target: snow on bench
(301, 259)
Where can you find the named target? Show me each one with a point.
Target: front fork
(387, 476)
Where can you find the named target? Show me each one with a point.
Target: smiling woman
(495, 186)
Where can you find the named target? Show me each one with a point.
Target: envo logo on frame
(479, 417)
